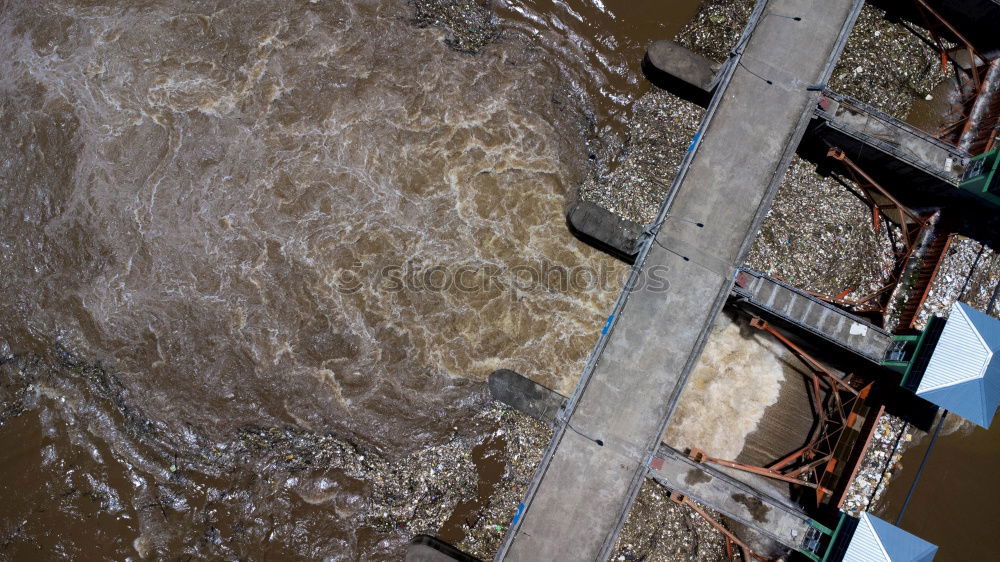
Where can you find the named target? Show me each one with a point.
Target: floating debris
(658, 528)
(881, 461)
(969, 272)
(525, 441)
(716, 27)
(471, 24)
(819, 236)
(403, 496)
(659, 133)
(904, 69)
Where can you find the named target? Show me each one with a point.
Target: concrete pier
(424, 548)
(525, 395)
(681, 71)
(597, 460)
(684, 64)
(603, 229)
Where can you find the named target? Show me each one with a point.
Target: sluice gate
(771, 298)
(713, 487)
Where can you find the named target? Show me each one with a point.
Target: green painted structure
(982, 177)
(910, 354)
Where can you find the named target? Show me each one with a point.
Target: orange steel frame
(869, 434)
(933, 20)
(907, 216)
(946, 54)
(731, 539)
(930, 282)
(811, 465)
(910, 223)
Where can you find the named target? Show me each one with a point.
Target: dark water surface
(197, 201)
(605, 40)
(956, 504)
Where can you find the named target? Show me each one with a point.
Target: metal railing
(878, 140)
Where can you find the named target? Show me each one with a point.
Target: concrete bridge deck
(597, 460)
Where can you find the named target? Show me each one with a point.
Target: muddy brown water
(488, 458)
(956, 503)
(608, 39)
(198, 201)
(931, 115)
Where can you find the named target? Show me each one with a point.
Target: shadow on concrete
(674, 85)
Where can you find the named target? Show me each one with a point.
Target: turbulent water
(738, 376)
(194, 194)
(219, 219)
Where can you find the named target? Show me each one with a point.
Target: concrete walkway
(582, 491)
(724, 493)
(773, 299)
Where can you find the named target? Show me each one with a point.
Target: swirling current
(230, 235)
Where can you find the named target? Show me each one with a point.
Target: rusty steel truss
(884, 206)
(733, 543)
(837, 407)
(971, 80)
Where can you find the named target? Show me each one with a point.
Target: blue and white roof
(963, 375)
(875, 540)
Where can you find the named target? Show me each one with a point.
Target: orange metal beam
(702, 457)
(973, 54)
(930, 281)
(839, 154)
(861, 456)
(801, 354)
(730, 537)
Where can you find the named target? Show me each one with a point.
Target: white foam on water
(737, 378)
